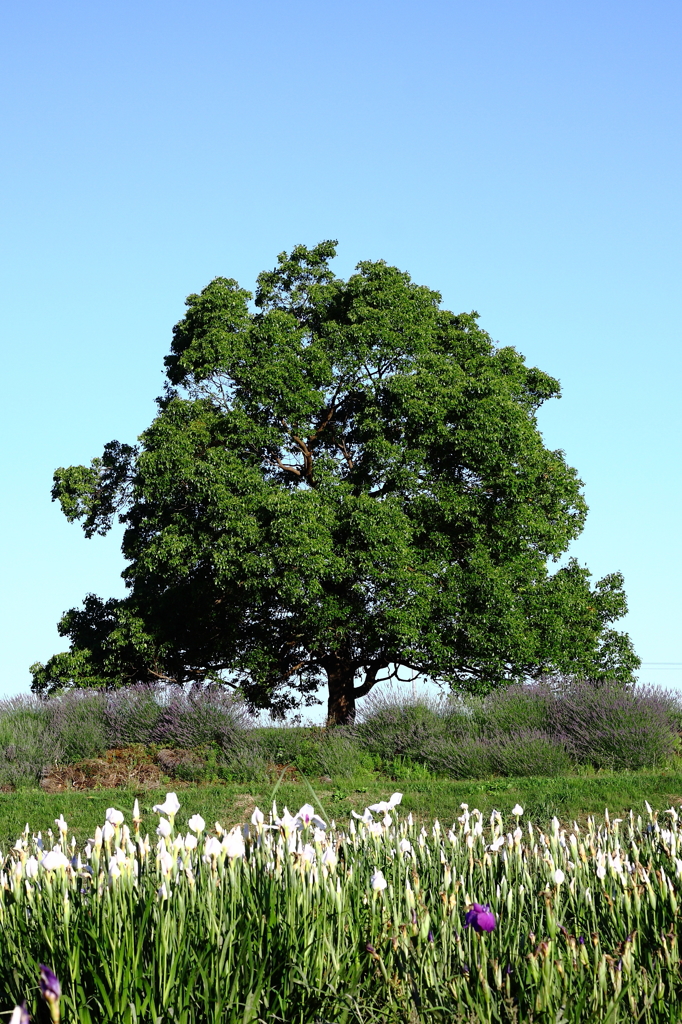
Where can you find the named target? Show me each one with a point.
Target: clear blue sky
(523, 158)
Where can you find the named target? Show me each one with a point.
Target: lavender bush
(131, 714)
(514, 709)
(207, 733)
(608, 726)
(529, 752)
(314, 750)
(80, 724)
(201, 716)
(391, 725)
(465, 758)
(28, 746)
(173, 717)
(78, 719)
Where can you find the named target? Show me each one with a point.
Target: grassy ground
(569, 798)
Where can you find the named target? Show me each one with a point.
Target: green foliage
(27, 744)
(345, 479)
(530, 752)
(313, 751)
(511, 711)
(466, 758)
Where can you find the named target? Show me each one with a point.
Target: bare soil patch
(120, 767)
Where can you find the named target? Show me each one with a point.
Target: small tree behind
(340, 481)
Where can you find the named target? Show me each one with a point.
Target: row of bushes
(546, 728)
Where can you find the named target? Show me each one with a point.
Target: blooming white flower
(378, 881)
(166, 862)
(162, 892)
(212, 847)
(288, 822)
(164, 828)
(559, 876)
(307, 816)
(366, 815)
(190, 842)
(405, 846)
(386, 805)
(308, 854)
(31, 867)
(329, 858)
(61, 824)
(197, 823)
(233, 843)
(306, 813)
(170, 806)
(107, 831)
(54, 860)
(517, 810)
(257, 818)
(114, 816)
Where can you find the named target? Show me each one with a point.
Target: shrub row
(546, 728)
(539, 729)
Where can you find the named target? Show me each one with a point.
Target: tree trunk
(341, 683)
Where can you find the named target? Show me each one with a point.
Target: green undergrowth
(568, 798)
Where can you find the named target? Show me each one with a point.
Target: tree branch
(370, 679)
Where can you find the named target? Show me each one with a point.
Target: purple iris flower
(480, 917)
(50, 990)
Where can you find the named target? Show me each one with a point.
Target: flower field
(294, 919)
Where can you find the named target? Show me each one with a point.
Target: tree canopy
(342, 479)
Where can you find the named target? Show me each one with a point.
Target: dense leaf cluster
(341, 479)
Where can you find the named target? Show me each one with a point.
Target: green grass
(569, 798)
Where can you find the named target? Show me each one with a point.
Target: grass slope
(569, 798)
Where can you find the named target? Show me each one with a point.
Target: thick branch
(370, 679)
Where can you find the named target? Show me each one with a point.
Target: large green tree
(343, 478)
